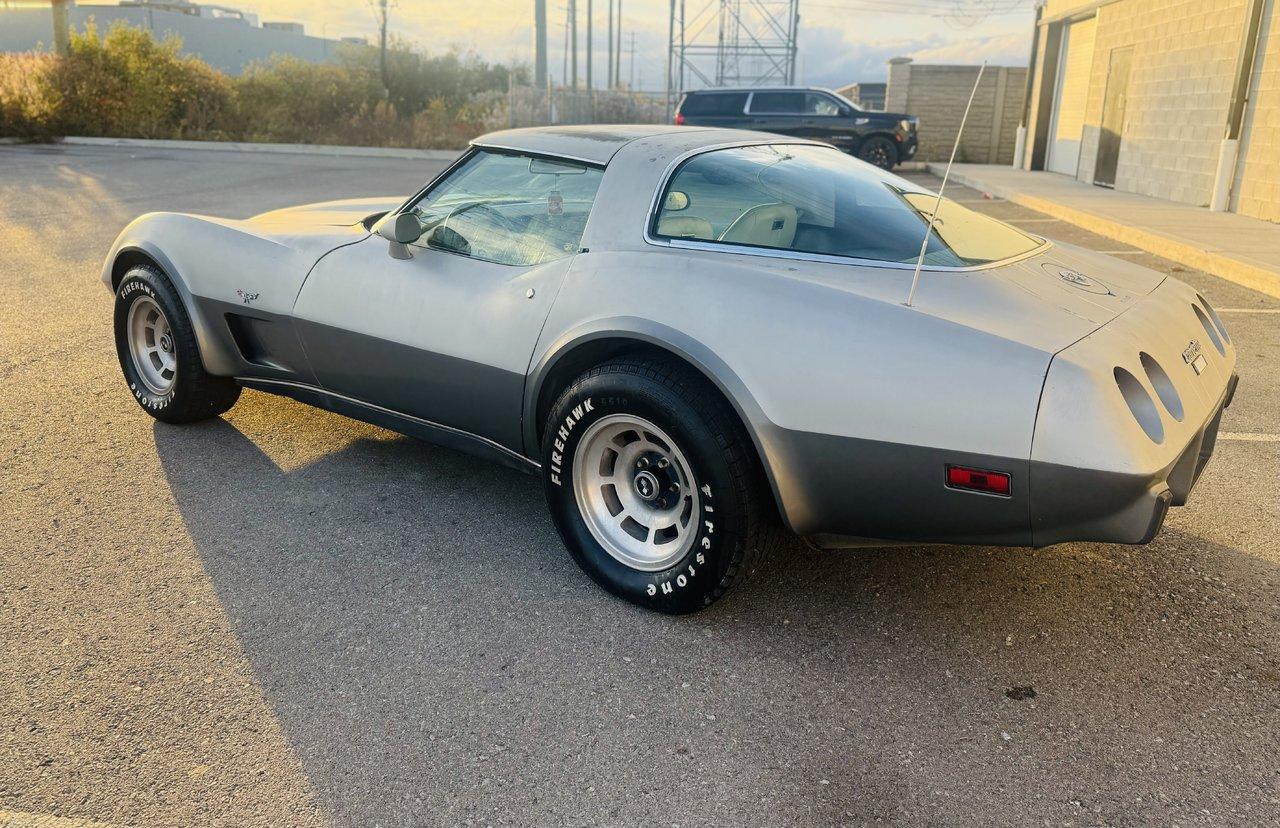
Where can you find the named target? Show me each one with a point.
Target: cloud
(829, 58)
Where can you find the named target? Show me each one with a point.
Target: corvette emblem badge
(1192, 356)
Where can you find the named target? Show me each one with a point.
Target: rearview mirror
(403, 228)
(543, 166)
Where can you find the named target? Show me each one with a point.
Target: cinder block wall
(1184, 63)
(938, 94)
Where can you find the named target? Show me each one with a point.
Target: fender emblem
(247, 297)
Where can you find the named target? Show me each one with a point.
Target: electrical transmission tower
(730, 43)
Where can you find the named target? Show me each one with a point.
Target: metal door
(1113, 107)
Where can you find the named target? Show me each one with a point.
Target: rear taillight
(679, 119)
(977, 480)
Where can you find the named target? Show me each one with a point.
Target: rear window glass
(714, 104)
(814, 199)
(778, 102)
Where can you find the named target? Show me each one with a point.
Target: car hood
(327, 213)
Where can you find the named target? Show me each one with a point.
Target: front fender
(134, 242)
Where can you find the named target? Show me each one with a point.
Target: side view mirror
(400, 231)
(403, 228)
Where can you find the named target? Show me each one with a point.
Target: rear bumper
(1083, 504)
(907, 147)
(1127, 422)
(1094, 472)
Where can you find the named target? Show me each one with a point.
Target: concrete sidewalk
(1236, 248)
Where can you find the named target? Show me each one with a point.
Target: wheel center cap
(166, 343)
(646, 485)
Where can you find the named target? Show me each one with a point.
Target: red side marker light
(679, 119)
(977, 480)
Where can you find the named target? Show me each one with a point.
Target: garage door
(1075, 65)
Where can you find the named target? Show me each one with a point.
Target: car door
(445, 335)
(827, 119)
(777, 111)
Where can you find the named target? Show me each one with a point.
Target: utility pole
(540, 43)
(61, 28)
(382, 46)
(608, 72)
(631, 58)
(573, 42)
(671, 37)
(589, 61)
(617, 54)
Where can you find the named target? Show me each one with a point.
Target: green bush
(125, 83)
(27, 108)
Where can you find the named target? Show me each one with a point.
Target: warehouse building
(1176, 99)
(226, 38)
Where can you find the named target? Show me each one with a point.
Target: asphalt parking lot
(284, 617)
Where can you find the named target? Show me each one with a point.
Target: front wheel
(880, 151)
(654, 486)
(158, 353)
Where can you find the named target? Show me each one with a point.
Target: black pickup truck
(881, 138)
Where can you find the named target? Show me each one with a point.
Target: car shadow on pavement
(434, 656)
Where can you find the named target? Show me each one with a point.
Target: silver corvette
(700, 337)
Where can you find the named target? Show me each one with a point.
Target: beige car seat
(686, 227)
(765, 225)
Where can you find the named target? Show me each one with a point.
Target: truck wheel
(880, 151)
(654, 486)
(158, 353)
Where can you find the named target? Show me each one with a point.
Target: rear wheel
(880, 151)
(158, 354)
(654, 486)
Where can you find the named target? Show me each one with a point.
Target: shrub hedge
(126, 84)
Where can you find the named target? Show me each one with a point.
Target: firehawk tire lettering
(729, 533)
(574, 417)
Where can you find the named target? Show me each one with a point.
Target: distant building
(284, 26)
(224, 37)
(865, 95)
(937, 94)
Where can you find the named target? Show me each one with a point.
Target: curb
(1224, 267)
(289, 149)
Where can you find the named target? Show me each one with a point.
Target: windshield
(814, 199)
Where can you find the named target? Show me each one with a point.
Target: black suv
(880, 138)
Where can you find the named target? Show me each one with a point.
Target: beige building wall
(1184, 65)
(1257, 186)
(1185, 58)
(938, 95)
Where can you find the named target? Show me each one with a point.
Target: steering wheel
(499, 218)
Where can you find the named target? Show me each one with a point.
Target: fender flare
(212, 356)
(702, 358)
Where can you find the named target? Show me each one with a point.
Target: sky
(840, 41)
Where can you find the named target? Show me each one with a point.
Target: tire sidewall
(138, 283)
(891, 152)
(696, 579)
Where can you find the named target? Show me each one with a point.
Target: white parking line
(1248, 310)
(1249, 437)
(1025, 221)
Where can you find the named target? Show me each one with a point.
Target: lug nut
(663, 463)
(643, 463)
